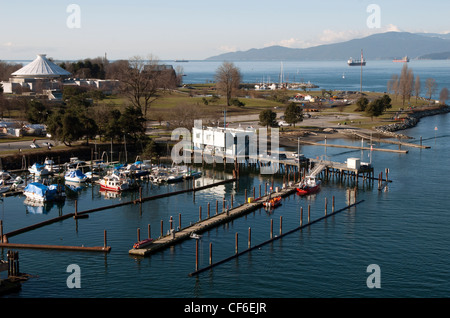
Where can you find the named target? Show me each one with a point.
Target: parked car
(282, 123)
(34, 145)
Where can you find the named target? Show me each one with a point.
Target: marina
(327, 258)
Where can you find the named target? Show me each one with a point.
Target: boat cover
(37, 188)
(75, 173)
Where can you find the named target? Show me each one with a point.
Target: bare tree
(431, 87)
(393, 85)
(139, 80)
(443, 96)
(417, 87)
(406, 83)
(228, 77)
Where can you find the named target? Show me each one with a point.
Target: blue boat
(75, 176)
(39, 192)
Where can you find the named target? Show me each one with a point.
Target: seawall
(411, 120)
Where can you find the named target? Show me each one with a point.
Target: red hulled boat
(309, 185)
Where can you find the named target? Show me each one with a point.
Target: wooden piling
(281, 224)
(301, 216)
(309, 213)
(249, 237)
(196, 255)
(210, 253)
(271, 228)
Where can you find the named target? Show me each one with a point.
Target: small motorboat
(38, 170)
(272, 203)
(309, 185)
(75, 176)
(115, 182)
(195, 236)
(143, 243)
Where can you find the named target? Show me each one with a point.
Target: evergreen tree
(268, 118)
(293, 114)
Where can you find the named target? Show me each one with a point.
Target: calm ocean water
(403, 230)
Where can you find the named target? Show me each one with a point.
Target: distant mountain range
(379, 46)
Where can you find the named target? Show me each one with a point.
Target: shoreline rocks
(410, 121)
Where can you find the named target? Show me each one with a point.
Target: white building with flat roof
(225, 141)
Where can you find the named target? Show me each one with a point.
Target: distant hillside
(376, 47)
(435, 56)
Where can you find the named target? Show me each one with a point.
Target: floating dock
(226, 215)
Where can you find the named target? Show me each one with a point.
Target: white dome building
(39, 76)
(41, 68)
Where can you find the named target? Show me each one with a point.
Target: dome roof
(41, 67)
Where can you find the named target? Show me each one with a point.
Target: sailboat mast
(362, 61)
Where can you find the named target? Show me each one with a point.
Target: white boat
(114, 182)
(38, 170)
(195, 236)
(18, 183)
(92, 176)
(39, 192)
(5, 175)
(49, 164)
(75, 176)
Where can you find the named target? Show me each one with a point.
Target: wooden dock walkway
(311, 143)
(384, 140)
(176, 237)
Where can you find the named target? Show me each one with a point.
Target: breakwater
(411, 120)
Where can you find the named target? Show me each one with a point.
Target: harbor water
(403, 230)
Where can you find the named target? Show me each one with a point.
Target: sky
(198, 29)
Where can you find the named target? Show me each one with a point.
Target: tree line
(406, 85)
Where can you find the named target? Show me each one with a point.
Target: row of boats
(309, 185)
(111, 178)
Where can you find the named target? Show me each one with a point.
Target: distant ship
(184, 61)
(403, 60)
(352, 62)
(361, 62)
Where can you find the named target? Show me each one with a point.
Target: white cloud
(227, 48)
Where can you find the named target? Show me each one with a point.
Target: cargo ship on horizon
(403, 60)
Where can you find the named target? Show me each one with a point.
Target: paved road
(23, 144)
